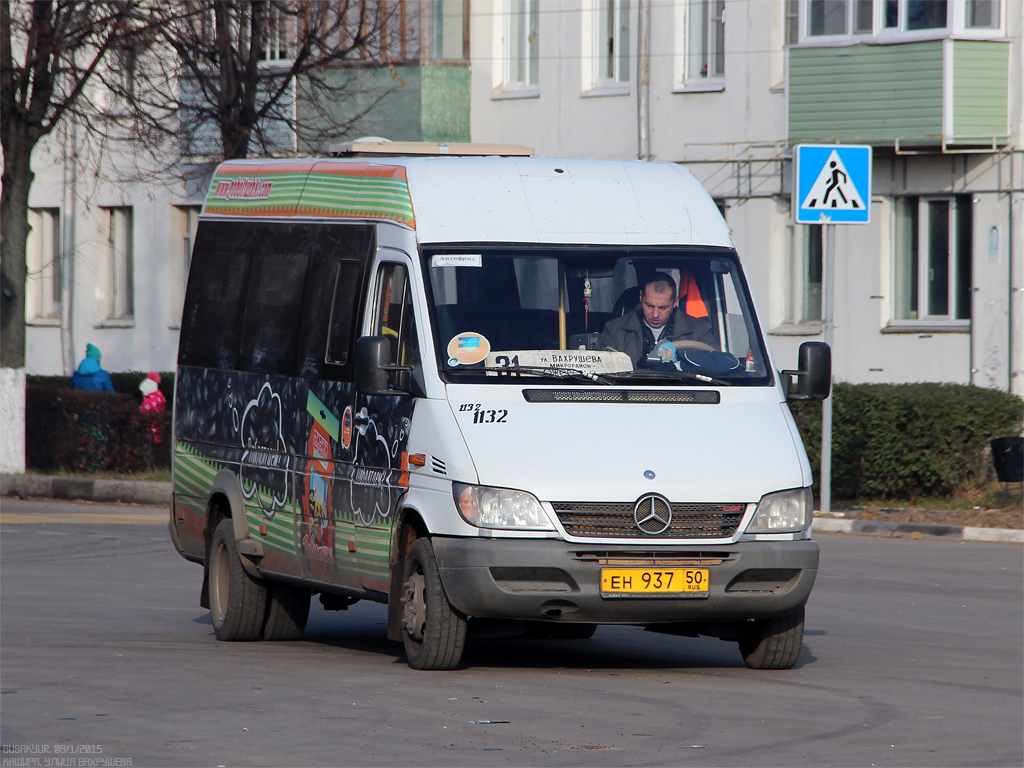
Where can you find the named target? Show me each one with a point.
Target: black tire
(774, 643)
(238, 603)
(434, 633)
(287, 612)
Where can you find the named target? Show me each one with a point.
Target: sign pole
(828, 237)
(831, 185)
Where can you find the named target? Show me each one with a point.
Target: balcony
(947, 95)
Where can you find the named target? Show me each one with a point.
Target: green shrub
(908, 441)
(91, 432)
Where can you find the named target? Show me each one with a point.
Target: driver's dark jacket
(624, 335)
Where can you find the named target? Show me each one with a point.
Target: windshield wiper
(574, 374)
(663, 375)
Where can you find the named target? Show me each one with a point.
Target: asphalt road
(914, 656)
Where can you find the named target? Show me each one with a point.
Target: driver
(657, 319)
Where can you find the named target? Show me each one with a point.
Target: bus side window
(217, 286)
(336, 287)
(393, 317)
(273, 310)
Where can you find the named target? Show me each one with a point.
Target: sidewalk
(139, 492)
(86, 489)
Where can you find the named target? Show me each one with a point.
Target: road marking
(18, 518)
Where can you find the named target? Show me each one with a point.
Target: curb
(918, 530)
(86, 489)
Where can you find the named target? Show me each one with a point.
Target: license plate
(655, 582)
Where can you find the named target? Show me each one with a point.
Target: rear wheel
(238, 602)
(287, 612)
(774, 643)
(434, 633)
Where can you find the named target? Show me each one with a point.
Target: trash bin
(1008, 456)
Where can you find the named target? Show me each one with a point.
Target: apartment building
(930, 288)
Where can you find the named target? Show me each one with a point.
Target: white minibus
(483, 388)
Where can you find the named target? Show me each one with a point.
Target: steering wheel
(692, 344)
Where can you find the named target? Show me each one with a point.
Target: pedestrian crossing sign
(832, 184)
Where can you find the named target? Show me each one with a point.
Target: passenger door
(382, 421)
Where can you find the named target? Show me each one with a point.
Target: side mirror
(814, 377)
(372, 355)
(372, 366)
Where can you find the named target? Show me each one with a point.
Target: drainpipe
(643, 74)
(68, 250)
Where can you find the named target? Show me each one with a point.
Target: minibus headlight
(499, 508)
(784, 512)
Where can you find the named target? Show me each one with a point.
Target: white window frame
(905, 258)
(607, 26)
(700, 20)
(518, 39)
(117, 289)
(956, 23)
(45, 267)
(184, 221)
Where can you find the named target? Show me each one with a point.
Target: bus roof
(451, 198)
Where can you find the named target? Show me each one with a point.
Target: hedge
(126, 382)
(910, 441)
(87, 432)
(889, 441)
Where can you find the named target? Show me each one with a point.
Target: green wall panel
(877, 94)
(980, 88)
(445, 94)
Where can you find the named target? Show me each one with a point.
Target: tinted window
(350, 248)
(218, 282)
(273, 310)
(275, 298)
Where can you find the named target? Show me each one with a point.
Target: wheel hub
(414, 606)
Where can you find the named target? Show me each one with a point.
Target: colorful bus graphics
(321, 509)
(317, 524)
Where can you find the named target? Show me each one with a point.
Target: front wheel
(238, 602)
(774, 643)
(434, 633)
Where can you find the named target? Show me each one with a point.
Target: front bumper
(557, 580)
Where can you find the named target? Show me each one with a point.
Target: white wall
(150, 341)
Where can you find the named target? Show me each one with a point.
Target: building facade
(930, 288)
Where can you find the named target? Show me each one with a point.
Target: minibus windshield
(593, 315)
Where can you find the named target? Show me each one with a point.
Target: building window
(803, 299)
(184, 219)
(840, 17)
(45, 267)
(277, 35)
(792, 22)
(982, 14)
(611, 43)
(446, 23)
(521, 49)
(894, 18)
(705, 40)
(118, 290)
(933, 258)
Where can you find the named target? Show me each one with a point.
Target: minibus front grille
(615, 520)
(673, 396)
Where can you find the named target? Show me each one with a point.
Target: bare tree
(264, 77)
(49, 53)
